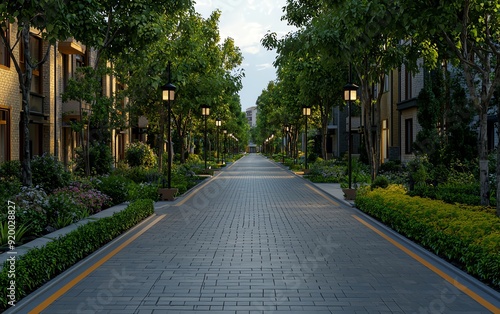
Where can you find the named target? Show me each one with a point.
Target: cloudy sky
(247, 21)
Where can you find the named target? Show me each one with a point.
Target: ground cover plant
(467, 236)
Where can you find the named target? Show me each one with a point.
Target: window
(36, 56)
(408, 85)
(408, 136)
(4, 48)
(4, 135)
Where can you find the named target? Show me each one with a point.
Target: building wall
(405, 115)
(10, 98)
(50, 128)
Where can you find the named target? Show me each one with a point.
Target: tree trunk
(25, 84)
(498, 166)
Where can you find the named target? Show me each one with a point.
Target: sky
(247, 22)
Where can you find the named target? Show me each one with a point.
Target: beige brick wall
(408, 114)
(10, 97)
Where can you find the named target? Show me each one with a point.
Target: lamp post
(350, 94)
(168, 94)
(224, 148)
(218, 124)
(205, 111)
(306, 111)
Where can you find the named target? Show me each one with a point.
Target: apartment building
(50, 119)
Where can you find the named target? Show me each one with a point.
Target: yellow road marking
(436, 270)
(322, 194)
(193, 193)
(42, 306)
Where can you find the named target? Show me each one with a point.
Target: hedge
(40, 265)
(466, 236)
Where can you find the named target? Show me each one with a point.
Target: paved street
(258, 239)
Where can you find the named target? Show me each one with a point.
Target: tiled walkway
(258, 239)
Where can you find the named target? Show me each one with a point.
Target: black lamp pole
(205, 111)
(306, 111)
(168, 94)
(350, 94)
(218, 123)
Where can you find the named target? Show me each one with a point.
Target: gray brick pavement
(257, 239)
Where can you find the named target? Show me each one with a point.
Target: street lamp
(350, 94)
(168, 95)
(218, 124)
(205, 112)
(306, 111)
(224, 148)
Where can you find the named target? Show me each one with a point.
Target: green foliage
(19, 232)
(85, 196)
(463, 235)
(49, 173)
(115, 187)
(142, 190)
(380, 182)
(11, 169)
(62, 209)
(139, 154)
(100, 159)
(327, 171)
(9, 188)
(39, 265)
(31, 204)
(139, 174)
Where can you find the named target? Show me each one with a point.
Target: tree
(370, 35)
(204, 70)
(471, 30)
(318, 77)
(49, 19)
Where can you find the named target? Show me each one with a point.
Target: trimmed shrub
(380, 182)
(40, 265)
(100, 159)
(142, 190)
(49, 173)
(11, 169)
(139, 154)
(115, 187)
(464, 235)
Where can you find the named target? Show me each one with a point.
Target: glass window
(408, 136)
(4, 50)
(4, 135)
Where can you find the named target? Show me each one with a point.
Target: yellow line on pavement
(89, 270)
(436, 270)
(322, 194)
(193, 193)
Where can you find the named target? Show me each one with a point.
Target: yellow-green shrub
(465, 235)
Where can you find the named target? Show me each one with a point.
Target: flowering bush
(31, 204)
(84, 195)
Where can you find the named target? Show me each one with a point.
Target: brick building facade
(50, 118)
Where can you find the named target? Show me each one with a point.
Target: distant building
(252, 116)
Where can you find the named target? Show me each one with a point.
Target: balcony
(71, 47)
